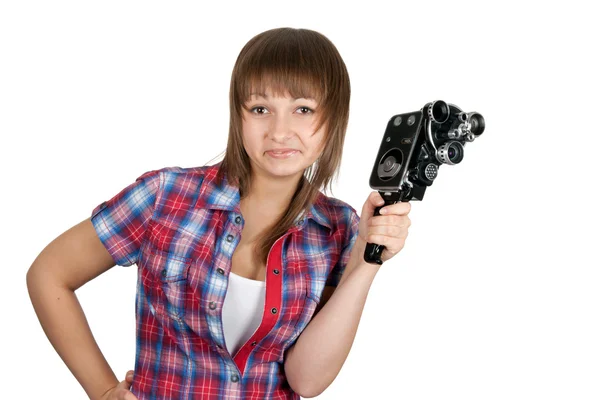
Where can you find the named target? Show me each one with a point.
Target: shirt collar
(227, 197)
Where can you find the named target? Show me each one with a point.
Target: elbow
(309, 387)
(309, 394)
(299, 383)
(34, 276)
(38, 279)
(306, 391)
(30, 278)
(34, 283)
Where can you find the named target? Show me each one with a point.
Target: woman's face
(279, 136)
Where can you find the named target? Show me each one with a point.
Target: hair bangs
(287, 82)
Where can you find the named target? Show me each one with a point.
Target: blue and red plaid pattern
(181, 229)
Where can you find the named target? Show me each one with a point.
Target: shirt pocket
(316, 274)
(165, 269)
(315, 284)
(304, 292)
(174, 240)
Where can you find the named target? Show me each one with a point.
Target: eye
(252, 110)
(306, 110)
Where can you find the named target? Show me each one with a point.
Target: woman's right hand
(121, 391)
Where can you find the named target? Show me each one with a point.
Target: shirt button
(164, 272)
(238, 219)
(254, 343)
(276, 271)
(221, 271)
(212, 305)
(229, 238)
(300, 222)
(273, 310)
(235, 378)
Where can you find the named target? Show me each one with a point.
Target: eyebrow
(263, 95)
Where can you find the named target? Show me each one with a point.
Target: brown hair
(303, 63)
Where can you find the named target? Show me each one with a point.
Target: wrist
(358, 260)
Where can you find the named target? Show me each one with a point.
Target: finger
(389, 253)
(373, 201)
(392, 231)
(129, 379)
(125, 394)
(123, 385)
(121, 394)
(396, 220)
(401, 208)
(392, 244)
(129, 396)
(379, 239)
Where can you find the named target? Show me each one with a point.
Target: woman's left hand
(389, 229)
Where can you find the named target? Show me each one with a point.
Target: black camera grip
(373, 251)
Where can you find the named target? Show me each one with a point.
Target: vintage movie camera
(414, 146)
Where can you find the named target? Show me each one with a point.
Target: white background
(496, 294)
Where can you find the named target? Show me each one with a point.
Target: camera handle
(373, 251)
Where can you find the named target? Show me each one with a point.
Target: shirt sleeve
(122, 221)
(351, 226)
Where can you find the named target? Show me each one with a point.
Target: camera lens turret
(450, 153)
(438, 111)
(477, 123)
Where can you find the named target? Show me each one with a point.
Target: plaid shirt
(181, 230)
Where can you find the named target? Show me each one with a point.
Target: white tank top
(242, 310)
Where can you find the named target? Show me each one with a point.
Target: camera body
(417, 143)
(413, 147)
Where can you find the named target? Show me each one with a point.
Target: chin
(285, 172)
(284, 169)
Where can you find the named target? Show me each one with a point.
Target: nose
(280, 129)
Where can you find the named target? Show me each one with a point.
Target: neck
(271, 195)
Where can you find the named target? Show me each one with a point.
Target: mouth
(282, 153)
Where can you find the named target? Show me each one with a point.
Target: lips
(282, 153)
(281, 150)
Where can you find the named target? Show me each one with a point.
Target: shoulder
(185, 171)
(339, 213)
(176, 176)
(334, 202)
(198, 187)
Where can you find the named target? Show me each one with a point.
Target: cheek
(250, 137)
(318, 144)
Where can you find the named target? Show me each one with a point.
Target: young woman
(251, 282)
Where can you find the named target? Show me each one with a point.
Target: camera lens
(477, 123)
(450, 153)
(438, 111)
(455, 152)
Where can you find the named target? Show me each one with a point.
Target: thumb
(373, 201)
(126, 384)
(129, 378)
(123, 388)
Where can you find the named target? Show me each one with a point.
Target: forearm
(66, 326)
(321, 350)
